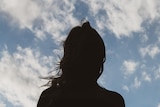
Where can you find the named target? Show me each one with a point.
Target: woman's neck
(81, 84)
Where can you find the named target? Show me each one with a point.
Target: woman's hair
(84, 55)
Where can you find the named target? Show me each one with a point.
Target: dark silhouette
(81, 66)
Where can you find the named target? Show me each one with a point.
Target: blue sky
(32, 33)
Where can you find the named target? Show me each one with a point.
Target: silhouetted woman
(81, 66)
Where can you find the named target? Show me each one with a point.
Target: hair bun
(86, 25)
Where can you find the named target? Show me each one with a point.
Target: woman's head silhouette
(84, 54)
(81, 66)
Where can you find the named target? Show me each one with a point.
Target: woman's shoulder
(45, 97)
(112, 96)
(46, 91)
(109, 92)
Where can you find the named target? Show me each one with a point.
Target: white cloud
(124, 19)
(158, 105)
(2, 104)
(151, 50)
(129, 66)
(126, 88)
(55, 17)
(144, 38)
(19, 73)
(146, 77)
(58, 17)
(157, 73)
(22, 11)
(137, 83)
(43, 17)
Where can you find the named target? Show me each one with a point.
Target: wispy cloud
(158, 105)
(20, 73)
(144, 38)
(157, 73)
(49, 17)
(126, 88)
(2, 104)
(137, 83)
(41, 17)
(146, 77)
(17, 11)
(151, 50)
(129, 67)
(124, 19)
